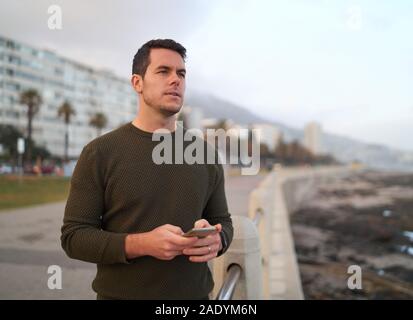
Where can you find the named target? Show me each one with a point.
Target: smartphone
(200, 232)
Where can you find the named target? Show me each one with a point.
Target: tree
(292, 153)
(222, 124)
(41, 152)
(8, 137)
(32, 100)
(99, 121)
(66, 111)
(281, 150)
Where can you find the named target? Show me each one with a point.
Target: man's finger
(207, 240)
(202, 223)
(173, 229)
(183, 241)
(205, 250)
(218, 227)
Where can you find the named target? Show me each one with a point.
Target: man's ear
(137, 82)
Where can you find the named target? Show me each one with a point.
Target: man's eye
(182, 75)
(162, 71)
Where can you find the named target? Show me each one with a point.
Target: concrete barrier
(245, 252)
(261, 202)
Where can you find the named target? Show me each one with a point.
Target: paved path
(30, 243)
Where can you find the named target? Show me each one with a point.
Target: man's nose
(175, 79)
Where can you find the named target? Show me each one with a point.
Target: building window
(12, 86)
(58, 71)
(10, 44)
(12, 114)
(14, 60)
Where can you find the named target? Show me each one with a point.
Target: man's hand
(164, 243)
(205, 249)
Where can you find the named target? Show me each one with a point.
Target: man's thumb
(202, 223)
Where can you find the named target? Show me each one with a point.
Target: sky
(347, 64)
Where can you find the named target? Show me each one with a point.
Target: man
(128, 215)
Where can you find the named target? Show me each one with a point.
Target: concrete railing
(261, 261)
(244, 253)
(261, 201)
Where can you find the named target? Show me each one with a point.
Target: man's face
(163, 85)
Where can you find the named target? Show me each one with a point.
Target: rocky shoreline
(366, 220)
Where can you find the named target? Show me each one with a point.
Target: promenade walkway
(30, 243)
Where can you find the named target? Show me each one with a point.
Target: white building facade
(59, 79)
(313, 137)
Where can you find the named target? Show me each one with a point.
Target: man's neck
(150, 121)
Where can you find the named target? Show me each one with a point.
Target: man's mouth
(173, 93)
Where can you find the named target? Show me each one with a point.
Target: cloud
(101, 32)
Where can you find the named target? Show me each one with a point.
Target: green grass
(16, 192)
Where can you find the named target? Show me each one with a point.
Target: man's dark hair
(141, 58)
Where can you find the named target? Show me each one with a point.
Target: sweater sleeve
(82, 236)
(216, 210)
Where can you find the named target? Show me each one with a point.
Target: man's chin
(170, 110)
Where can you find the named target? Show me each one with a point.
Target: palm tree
(66, 111)
(32, 100)
(99, 121)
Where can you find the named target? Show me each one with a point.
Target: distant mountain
(213, 107)
(375, 155)
(342, 148)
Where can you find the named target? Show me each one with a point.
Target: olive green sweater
(117, 189)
